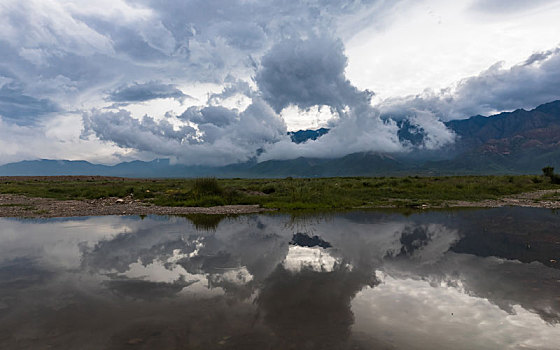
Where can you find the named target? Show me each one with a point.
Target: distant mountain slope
(514, 142)
(517, 142)
(155, 168)
(305, 135)
(350, 165)
(52, 168)
(539, 126)
(357, 164)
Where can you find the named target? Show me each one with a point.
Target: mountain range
(518, 142)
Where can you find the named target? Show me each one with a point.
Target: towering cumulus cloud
(220, 82)
(306, 73)
(299, 68)
(310, 72)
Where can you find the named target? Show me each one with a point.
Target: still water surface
(481, 279)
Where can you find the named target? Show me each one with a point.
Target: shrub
(548, 171)
(206, 187)
(269, 190)
(537, 180)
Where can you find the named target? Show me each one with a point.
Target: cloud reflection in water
(376, 280)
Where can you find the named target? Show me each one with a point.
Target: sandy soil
(21, 206)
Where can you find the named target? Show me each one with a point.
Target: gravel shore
(21, 206)
(30, 207)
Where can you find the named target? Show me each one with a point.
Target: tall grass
(296, 193)
(206, 186)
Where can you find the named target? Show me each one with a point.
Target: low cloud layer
(525, 85)
(219, 136)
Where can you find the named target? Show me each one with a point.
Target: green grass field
(287, 194)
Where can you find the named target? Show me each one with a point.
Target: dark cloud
(306, 73)
(18, 107)
(131, 41)
(526, 85)
(86, 52)
(146, 290)
(139, 92)
(215, 115)
(147, 134)
(21, 273)
(245, 36)
(66, 55)
(310, 307)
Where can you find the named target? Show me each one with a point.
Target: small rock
(120, 200)
(135, 341)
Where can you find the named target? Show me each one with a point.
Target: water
(481, 279)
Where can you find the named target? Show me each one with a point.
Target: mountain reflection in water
(484, 279)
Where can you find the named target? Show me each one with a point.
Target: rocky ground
(538, 199)
(21, 206)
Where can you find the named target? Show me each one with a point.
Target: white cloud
(218, 136)
(428, 316)
(534, 81)
(313, 62)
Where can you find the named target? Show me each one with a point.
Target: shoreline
(19, 206)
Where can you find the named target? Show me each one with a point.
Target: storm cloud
(306, 73)
(211, 82)
(145, 92)
(18, 107)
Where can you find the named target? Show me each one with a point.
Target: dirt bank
(21, 206)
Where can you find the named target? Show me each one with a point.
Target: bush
(548, 171)
(269, 190)
(537, 180)
(206, 187)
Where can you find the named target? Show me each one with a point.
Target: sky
(221, 82)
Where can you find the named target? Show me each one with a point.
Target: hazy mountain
(508, 143)
(305, 135)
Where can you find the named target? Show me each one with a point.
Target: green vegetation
(287, 194)
(206, 222)
(549, 172)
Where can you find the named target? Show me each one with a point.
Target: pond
(474, 279)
